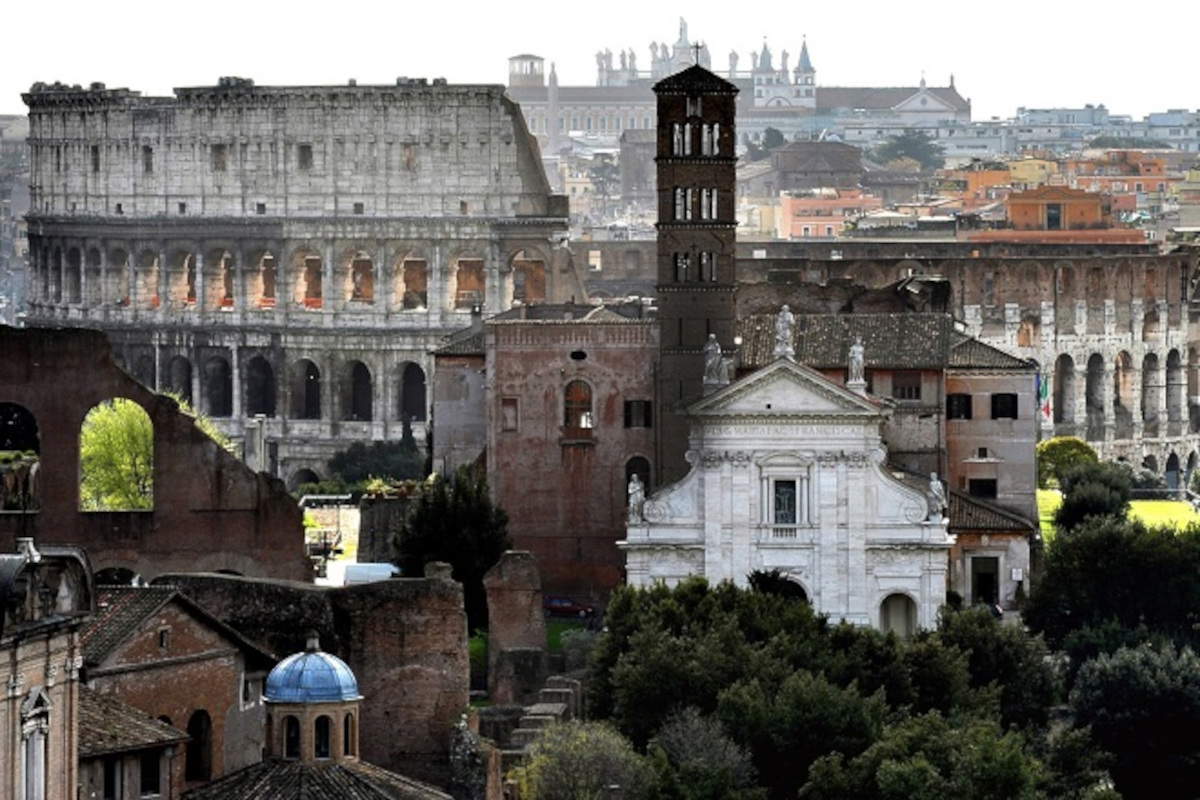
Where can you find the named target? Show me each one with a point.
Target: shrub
(1093, 490)
(1059, 453)
(579, 761)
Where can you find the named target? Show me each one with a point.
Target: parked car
(556, 605)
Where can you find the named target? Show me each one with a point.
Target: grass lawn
(1175, 513)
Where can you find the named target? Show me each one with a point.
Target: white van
(369, 573)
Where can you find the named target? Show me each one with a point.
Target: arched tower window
(348, 735)
(321, 730)
(577, 405)
(291, 737)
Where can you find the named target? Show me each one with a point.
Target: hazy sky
(1002, 54)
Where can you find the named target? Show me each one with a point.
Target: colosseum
(289, 252)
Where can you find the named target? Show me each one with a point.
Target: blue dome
(311, 677)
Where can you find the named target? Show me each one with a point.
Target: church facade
(788, 473)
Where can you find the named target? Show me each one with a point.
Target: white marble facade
(788, 473)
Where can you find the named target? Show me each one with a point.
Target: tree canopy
(911, 144)
(1058, 454)
(116, 458)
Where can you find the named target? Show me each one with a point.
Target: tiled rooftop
(108, 725)
(295, 780)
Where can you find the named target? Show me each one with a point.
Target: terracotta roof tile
(296, 780)
(108, 725)
(968, 353)
(973, 514)
(890, 341)
(119, 612)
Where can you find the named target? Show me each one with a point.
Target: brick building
(158, 651)
(124, 753)
(209, 510)
(288, 251)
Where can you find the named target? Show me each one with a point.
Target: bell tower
(697, 277)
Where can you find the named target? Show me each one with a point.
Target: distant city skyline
(1026, 54)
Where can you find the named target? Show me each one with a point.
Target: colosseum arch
(1094, 398)
(357, 273)
(56, 275)
(1123, 385)
(1151, 325)
(178, 378)
(73, 276)
(412, 281)
(468, 282)
(1193, 389)
(217, 386)
(181, 279)
(262, 279)
(1172, 472)
(260, 387)
(411, 398)
(116, 277)
(525, 280)
(1152, 387)
(146, 279)
(307, 268)
(1064, 394)
(220, 279)
(93, 277)
(305, 385)
(357, 392)
(302, 476)
(1175, 387)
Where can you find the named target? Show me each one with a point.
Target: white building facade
(788, 473)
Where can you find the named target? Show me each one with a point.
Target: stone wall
(210, 510)
(405, 639)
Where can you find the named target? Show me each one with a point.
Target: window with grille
(906, 385)
(958, 406)
(577, 405)
(637, 414)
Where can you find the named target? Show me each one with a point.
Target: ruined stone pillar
(516, 629)
(385, 280)
(1160, 395)
(1110, 317)
(236, 369)
(1135, 402)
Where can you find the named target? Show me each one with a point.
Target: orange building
(822, 212)
(1120, 172)
(1058, 208)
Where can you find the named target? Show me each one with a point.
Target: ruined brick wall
(379, 520)
(211, 512)
(460, 425)
(405, 640)
(564, 487)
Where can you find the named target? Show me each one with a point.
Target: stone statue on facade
(733, 62)
(683, 31)
(714, 365)
(937, 498)
(783, 62)
(632, 61)
(785, 321)
(637, 497)
(856, 361)
(608, 59)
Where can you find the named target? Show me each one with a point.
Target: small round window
(578, 355)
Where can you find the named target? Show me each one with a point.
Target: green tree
(1056, 455)
(116, 457)
(454, 520)
(911, 144)
(394, 461)
(931, 758)
(696, 760)
(1093, 490)
(605, 176)
(1143, 706)
(1006, 657)
(579, 760)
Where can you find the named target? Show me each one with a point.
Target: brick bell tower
(697, 277)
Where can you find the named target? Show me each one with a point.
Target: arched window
(306, 390)
(412, 393)
(321, 729)
(469, 283)
(260, 387)
(415, 286)
(348, 735)
(291, 737)
(199, 747)
(116, 458)
(20, 447)
(74, 280)
(356, 394)
(179, 378)
(302, 477)
(362, 279)
(577, 405)
(218, 387)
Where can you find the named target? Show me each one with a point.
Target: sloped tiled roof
(297, 780)
(968, 353)
(973, 514)
(695, 78)
(108, 725)
(466, 342)
(882, 97)
(890, 341)
(121, 610)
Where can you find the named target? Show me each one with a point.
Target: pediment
(784, 388)
(932, 103)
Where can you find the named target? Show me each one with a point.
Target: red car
(558, 606)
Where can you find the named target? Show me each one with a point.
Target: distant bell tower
(526, 70)
(697, 277)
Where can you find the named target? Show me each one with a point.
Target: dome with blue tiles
(311, 677)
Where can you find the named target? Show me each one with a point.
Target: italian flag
(1043, 387)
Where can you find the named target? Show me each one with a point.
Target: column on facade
(104, 267)
(239, 277)
(435, 289)
(737, 470)
(1081, 317)
(385, 280)
(236, 369)
(493, 303)
(332, 301)
(198, 280)
(716, 565)
(827, 568)
(1135, 405)
(1109, 398)
(84, 280)
(860, 599)
(1110, 317)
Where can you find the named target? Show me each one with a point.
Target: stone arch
(181, 279)
(323, 737)
(1152, 385)
(116, 478)
(1171, 472)
(525, 281)
(94, 275)
(357, 392)
(1151, 325)
(220, 279)
(1189, 470)
(308, 275)
(73, 276)
(898, 615)
(1175, 387)
(306, 390)
(262, 279)
(116, 277)
(302, 476)
(1064, 392)
(1094, 397)
(198, 758)
(218, 387)
(291, 737)
(146, 280)
(260, 387)
(411, 399)
(359, 269)
(1123, 383)
(468, 282)
(412, 281)
(349, 746)
(178, 379)
(20, 456)
(1193, 390)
